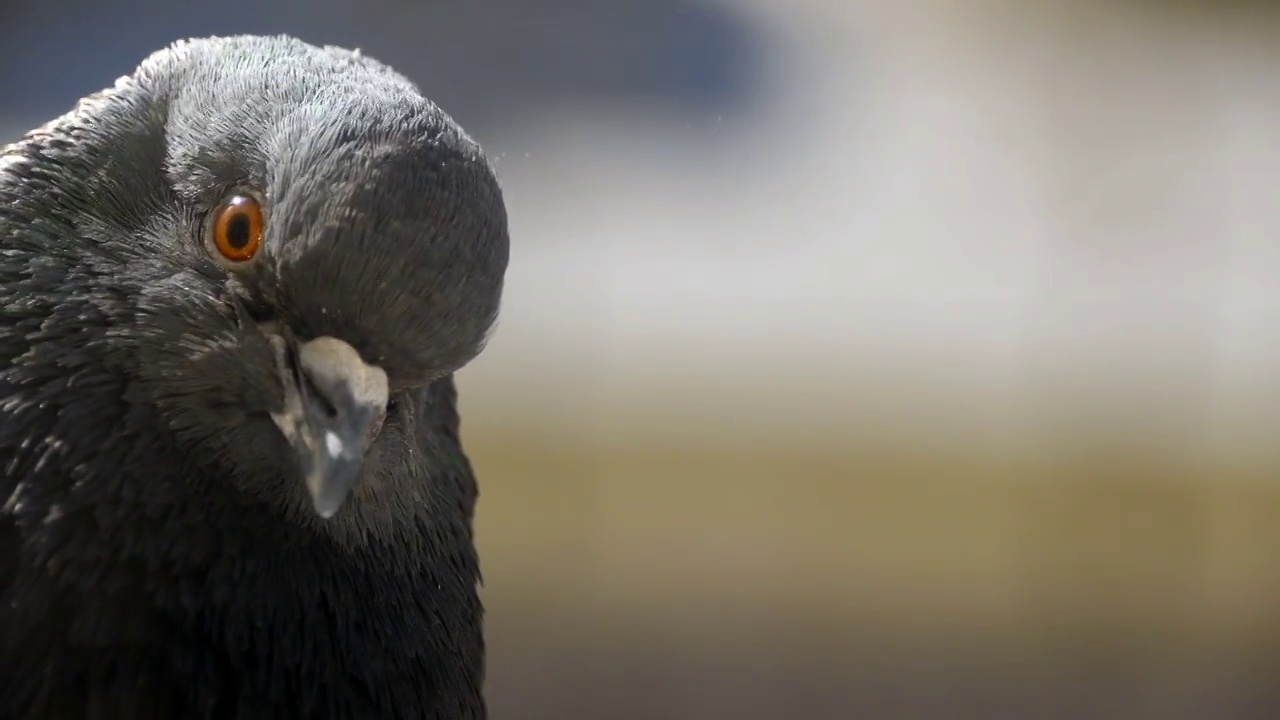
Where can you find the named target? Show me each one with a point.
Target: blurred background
(859, 359)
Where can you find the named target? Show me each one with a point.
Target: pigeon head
(284, 246)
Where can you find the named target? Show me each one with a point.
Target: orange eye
(237, 228)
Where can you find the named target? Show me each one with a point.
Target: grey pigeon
(234, 289)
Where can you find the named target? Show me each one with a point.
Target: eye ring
(236, 228)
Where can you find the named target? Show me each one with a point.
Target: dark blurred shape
(486, 63)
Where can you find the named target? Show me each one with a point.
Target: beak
(334, 406)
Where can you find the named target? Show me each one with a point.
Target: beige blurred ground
(943, 385)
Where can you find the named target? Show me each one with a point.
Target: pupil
(238, 231)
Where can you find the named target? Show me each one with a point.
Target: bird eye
(237, 228)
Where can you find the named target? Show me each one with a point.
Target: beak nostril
(322, 400)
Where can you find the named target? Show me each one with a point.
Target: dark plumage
(178, 433)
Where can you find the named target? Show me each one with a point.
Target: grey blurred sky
(490, 64)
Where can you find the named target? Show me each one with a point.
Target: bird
(235, 288)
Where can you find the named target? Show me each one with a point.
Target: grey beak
(335, 403)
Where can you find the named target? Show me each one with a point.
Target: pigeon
(234, 290)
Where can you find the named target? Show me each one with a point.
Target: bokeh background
(860, 358)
